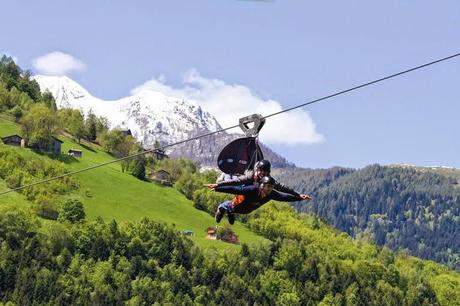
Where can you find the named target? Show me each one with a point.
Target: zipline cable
(234, 126)
(364, 85)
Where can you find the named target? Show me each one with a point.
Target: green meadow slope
(108, 193)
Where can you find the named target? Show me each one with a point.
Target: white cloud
(57, 63)
(229, 102)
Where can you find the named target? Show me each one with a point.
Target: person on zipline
(261, 169)
(249, 198)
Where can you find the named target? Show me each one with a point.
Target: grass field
(111, 194)
(7, 126)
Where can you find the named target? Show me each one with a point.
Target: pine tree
(91, 126)
(139, 167)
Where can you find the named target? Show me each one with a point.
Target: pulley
(258, 121)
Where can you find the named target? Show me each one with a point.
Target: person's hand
(211, 186)
(305, 197)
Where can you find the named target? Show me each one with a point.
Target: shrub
(72, 211)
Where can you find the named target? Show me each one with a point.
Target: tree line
(304, 262)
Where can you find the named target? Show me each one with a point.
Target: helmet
(263, 165)
(267, 180)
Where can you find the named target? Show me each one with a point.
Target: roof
(11, 136)
(164, 171)
(57, 139)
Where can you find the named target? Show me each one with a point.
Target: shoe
(231, 218)
(219, 214)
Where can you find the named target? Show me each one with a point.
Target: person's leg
(222, 209)
(231, 217)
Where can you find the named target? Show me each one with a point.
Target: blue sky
(286, 51)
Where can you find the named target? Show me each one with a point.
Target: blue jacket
(248, 197)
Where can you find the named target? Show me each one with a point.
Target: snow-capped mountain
(151, 116)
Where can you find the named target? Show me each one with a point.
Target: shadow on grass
(88, 148)
(67, 159)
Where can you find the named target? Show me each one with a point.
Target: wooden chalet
(211, 233)
(126, 132)
(162, 177)
(54, 147)
(14, 140)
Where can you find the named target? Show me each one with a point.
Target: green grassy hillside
(108, 193)
(7, 126)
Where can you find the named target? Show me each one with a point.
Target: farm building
(13, 140)
(211, 233)
(222, 233)
(126, 132)
(162, 177)
(75, 153)
(54, 147)
(187, 232)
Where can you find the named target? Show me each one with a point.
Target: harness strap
(238, 199)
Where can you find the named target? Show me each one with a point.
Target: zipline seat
(241, 154)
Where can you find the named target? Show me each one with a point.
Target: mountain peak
(151, 116)
(64, 90)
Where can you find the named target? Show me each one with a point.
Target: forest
(404, 208)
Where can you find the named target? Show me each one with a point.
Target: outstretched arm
(246, 179)
(285, 197)
(235, 189)
(283, 188)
